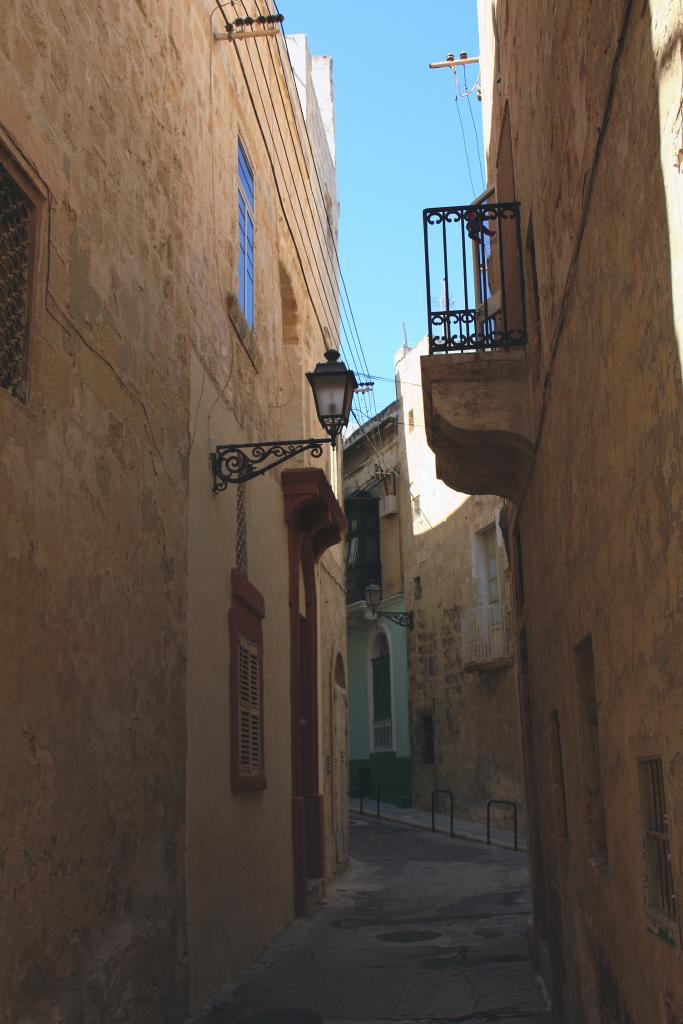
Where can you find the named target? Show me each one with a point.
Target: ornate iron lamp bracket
(400, 618)
(237, 463)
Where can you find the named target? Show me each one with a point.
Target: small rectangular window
(411, 420)
(417, 587)
(490, 564)
(659, 882)
(245, 209)
(588, 705)
(558, 774)
(16, 254)
(416, 504)
(426, 739)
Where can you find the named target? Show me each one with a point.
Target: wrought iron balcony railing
(473, 263)
(486, 633)
(382, 735)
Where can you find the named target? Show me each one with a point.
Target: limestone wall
(596, 142)
(134, 882)
(475, 716)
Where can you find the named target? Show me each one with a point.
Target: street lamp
(373, 598)
(333, 386)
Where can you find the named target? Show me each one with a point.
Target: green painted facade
(391, 769)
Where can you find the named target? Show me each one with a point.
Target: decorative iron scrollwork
(237, 463)
(474, 255)
(400, 618)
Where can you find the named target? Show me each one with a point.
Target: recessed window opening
(363, 565)
(588, 707)
(426, 739)
(558, 774)
(659, 882)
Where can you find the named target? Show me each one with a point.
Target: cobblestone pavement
(422, 929)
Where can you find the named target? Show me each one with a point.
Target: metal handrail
(502, 803)
(374, 783)
(449, 794)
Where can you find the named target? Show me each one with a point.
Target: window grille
(661, 897)
(250, 758)
(15, 252)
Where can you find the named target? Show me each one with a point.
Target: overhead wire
(468, 94)
(220, 7)
(359, 355)
(462, 130)
(347, 321)
(345, 293)
(355, 353)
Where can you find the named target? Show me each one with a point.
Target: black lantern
(373, 598)
(333, 386)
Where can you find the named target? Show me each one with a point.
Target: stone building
(464, 717)
(173, 735)
(379, 740)
(556, 384)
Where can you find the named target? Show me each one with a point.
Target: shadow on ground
(421, 928)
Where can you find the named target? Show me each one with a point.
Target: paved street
(421, 928)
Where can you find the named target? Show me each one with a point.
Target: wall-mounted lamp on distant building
(333, 386)
(373, 598)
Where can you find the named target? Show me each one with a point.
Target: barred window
(659, 882)
(16, 223)
(250, 754)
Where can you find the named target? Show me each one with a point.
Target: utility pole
(452, 62)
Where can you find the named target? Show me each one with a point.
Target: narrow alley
(420, 928)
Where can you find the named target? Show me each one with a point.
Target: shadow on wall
(609, 213)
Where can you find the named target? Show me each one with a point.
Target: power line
(275, 181)
(344, 312)
(462, 131)
(344, 309)
(476, 134)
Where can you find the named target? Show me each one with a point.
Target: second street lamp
(333, 386)
(373, 598)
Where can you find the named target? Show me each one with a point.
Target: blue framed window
(245, 208)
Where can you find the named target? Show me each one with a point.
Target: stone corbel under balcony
(478, 421)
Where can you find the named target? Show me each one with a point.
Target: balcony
(477, 403)
(486, 637)
(382, 735)
(475, 254)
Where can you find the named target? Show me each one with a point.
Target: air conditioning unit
(388, 505)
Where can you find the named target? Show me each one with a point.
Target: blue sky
(399, 149)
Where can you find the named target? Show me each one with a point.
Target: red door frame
(315, 522)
